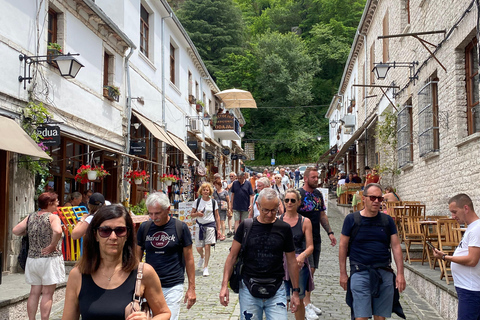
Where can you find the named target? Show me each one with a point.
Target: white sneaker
(200, 263)
(205, 272)
(315, 309)
(310, 314)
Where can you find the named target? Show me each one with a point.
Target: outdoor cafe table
(427, 236)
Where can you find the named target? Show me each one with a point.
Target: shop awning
(354, 137)
(15, 139)
(212, 141)
(182, 146)
(328, 154)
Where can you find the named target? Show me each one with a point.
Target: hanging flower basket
(137, 176)
(169, 179)
(87, 173)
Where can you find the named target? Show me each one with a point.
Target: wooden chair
(416, 210)
(389, 207)
(412, 234)
(342, 194)
(449, 236)
(352, 188)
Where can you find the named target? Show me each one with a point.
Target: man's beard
(312, 184)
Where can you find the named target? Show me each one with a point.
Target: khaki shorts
(45, 271)
(208, 236)
(240, 215)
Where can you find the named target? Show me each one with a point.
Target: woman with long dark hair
(102, 283)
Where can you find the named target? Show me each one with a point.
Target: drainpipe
(365, 93)
(164, 99)
(126, 185)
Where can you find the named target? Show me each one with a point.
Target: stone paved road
(328, 294)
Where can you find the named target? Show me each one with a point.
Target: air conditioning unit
(349, 121)
(196, 125)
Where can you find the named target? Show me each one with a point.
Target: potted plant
(169, 179)
(111, 93)
(88, 173)
(53, 50)
(137, 176)
(199, 106)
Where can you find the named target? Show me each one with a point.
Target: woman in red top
(372, 177)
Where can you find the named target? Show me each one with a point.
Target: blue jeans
(252, 308)
(173, 297)
(468, 304)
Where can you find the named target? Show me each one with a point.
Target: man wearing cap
(94, 203)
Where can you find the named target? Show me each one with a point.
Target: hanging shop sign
(234, 157)
(242, 157)
(209, 156)
(138, 148)
(225, 121)
(333, 150)
(50, 134)
(192, 144)
(226, 152)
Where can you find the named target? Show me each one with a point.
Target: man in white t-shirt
(285, 178)
(465, 260)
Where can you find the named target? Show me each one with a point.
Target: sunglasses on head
(287, 200)
(105, 232)
(373, 198)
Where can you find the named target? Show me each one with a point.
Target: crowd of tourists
(276, 248)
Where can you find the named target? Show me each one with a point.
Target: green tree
(215, 27)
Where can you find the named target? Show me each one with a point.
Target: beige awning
(214, 142)
(182, 146)
(15, 139)
(155, 129)
(236, 98)
(354, 137)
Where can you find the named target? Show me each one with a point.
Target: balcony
(226, 127)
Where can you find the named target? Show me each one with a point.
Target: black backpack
(178, 229)
(357, 218)
(236, 275)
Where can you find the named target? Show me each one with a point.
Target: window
(172, 64)
(404, 136)
(144, 30)
(372, 61)
(107, 69)
(428, 135)
(197, 91)
(471, 78)
(190, 84)
(52, 26)
(385, 53)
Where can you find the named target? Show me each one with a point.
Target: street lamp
(67, 65)
(381, 69)
(206, 120)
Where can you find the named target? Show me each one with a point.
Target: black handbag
(23, 255)
(236, 275)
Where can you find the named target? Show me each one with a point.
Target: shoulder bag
(236, 275)
(23, 255)
(139, 303)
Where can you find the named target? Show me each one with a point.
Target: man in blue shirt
(241, 198)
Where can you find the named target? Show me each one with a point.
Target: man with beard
(313, 207)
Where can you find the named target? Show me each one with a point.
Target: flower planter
(51, 55)
(92, 175)
(199, 107)
(110, 93)
(168, 182)
(138, 181)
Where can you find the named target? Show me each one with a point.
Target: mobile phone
(431, 245)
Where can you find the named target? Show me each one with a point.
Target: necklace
(110, 278)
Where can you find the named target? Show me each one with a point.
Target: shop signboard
(209, 156)
(184, 215)
(225, 121)
(272, 162)
(192, 144)
(138, 148)
(226, 151)
(324, 192)
(234, 157)
(50, 134)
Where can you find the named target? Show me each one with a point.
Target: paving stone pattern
(328, 294)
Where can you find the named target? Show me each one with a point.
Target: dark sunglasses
(373, 198)
(105, 232)
(287, 200)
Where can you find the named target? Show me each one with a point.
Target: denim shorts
(302, 283)
(468, 304)
(275, 308)
(314, 258)
(173, 297)
(362, 299)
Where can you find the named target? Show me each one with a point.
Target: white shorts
(45, 271)
(208, 236)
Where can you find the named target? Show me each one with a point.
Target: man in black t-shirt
(313, 208)
(268, 239)
(168, 252)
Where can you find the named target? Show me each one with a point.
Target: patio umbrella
(236, 98)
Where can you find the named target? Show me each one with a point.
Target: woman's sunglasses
(292, 200)
(105, 232)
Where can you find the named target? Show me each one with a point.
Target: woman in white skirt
(45, 267)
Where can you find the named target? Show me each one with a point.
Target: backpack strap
(247, 226)
(357, 222)
(179, 230)
(145, 231)
(198, 203)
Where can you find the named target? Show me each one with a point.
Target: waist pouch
(263, 288)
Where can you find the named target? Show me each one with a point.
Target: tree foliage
(288, 53)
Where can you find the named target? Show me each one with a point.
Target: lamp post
(381, 69)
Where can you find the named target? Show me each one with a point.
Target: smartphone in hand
(431, 245)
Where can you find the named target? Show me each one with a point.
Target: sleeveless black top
(106, 304)
(298, 235)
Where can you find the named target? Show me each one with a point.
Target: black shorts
(314, 258)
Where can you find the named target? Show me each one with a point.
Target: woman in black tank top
(303, 241)
(101, 286)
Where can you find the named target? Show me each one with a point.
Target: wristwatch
(443, 257)
(329, 233)
(296, 289)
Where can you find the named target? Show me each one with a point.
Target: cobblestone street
(328, 294)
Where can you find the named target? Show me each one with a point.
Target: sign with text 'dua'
(50, 134)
